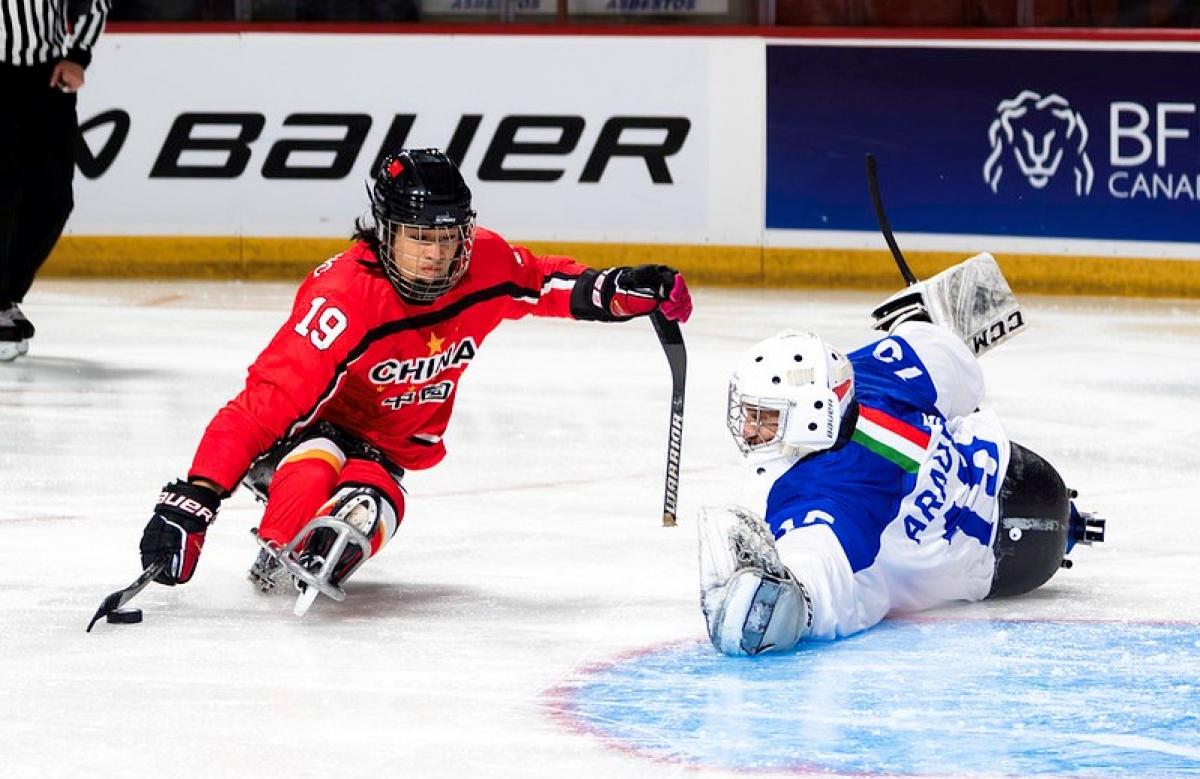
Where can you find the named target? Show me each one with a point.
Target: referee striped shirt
(34, 32)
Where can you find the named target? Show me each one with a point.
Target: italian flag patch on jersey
(890, 438)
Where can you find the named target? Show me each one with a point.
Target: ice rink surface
(532, 618)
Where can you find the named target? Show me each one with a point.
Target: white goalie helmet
(788, 395)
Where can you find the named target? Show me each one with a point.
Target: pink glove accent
(678, 305)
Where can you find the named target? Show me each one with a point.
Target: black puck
(124, 617)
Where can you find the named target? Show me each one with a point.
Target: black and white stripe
(34, 32)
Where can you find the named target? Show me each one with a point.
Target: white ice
(533, 552)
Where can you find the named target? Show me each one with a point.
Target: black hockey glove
(176, 531)
(619, 294)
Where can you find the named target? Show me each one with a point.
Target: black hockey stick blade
(671, 338)
(884, 227)
(121, 597)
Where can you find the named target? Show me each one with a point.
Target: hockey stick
(671, 338)
(884, 227)
(121, 597)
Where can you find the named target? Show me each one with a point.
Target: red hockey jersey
(357, 355)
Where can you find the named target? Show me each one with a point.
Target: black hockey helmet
(424, 223)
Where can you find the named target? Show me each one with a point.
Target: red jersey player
(359, 384)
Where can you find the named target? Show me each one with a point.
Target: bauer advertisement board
(1075, 141)
(560, 137)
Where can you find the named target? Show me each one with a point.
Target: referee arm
(68, 73)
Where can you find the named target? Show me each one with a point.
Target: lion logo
(1038, 133)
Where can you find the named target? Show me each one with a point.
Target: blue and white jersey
(902, 516)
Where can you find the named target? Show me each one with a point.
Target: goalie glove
(971, 299)
(176, 531)
(620, 294)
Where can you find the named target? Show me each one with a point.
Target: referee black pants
(38, 131)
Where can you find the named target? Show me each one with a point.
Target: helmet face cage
(422, 262)
(745, 413)
(423, 222)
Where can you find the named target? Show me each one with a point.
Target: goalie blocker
(971, 299)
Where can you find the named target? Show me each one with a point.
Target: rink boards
(736, 157)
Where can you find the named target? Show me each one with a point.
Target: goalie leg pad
(751, 602)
